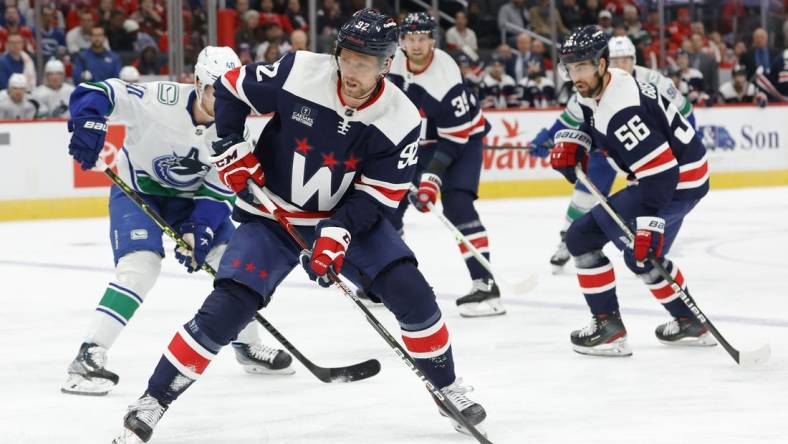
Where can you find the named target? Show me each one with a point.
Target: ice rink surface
(732, 250)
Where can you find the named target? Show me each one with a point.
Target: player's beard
(354, 89)
(591, 91)
(420, 59)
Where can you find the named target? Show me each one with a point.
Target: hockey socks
(430, 346)
(663, 291)
(597, 282)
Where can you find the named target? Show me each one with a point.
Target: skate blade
(705, 340)
(490, 307)
(127, 437)
(557, 269)
(460, 428)
(253, 369)
(616, 349)
(79, 385)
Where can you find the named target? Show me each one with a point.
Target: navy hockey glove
(236, 163)
(571, 148)
(429, 187)
(200, 237)
(87, 140)
(328, 252)
(541, 145)
(649, 238)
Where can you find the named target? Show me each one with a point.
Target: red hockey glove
(571, 148)
(429, 187)
(328, 252)
(649, 238)
(236, 163)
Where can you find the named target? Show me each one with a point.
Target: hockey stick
(744, 358)
(350, 373)
(403, 354)
(519, 287)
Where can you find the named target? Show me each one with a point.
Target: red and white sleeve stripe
(233, 80)
(389, 194)
(460, 133)
(694, 174)
(655, 162)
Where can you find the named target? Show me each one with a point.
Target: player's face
(586, 77)
(360, 73)
(16, 94)
(625, 63)
(55, 79)
(418, 47)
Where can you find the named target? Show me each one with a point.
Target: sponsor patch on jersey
(304, 115)
(139, 234)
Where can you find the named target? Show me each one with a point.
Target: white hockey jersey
(165, 152)
(28, 108)
(53, 103)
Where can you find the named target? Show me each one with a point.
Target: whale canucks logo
(180, 171)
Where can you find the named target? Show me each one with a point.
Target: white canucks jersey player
(600, 171)
(169, 127)
(53, 95)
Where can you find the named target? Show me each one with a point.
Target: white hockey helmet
(621, 47)
(129, 74)
(212, 62)
(54, 66)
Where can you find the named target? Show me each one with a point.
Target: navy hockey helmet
(584, 43)
(419, 23)
(369, 32)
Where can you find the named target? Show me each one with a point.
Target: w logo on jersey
(714, 137)
(319, 183)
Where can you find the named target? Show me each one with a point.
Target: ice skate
(471, 410)
(561, 255)
(86, 373)
(484, 299)
(685, 331)
(140, 420)
(604, 336)
(256, 358)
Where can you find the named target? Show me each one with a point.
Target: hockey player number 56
(632, 132)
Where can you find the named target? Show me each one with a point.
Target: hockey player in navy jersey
(339, 152)
(602, 174)
(649, 139)
(450, 153)
(169, 129)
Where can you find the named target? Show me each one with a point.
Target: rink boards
(747, 146)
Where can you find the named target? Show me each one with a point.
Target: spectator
(470, 75)
(497, 89)
(540, 19)
(250, 31)
(739, 49)
(705, 63)
(53, 95)
(16, 104)
(537, 91)
(241, 7)
(760, 55)
(268, 16)
(117, 35)
(78, 38)
(517, 66)
(651, 25)
(149, 63)
(96, 63)
(329, 20)
(513, 17)
(616, 7)
(271, 54)
(606, 21)
(140, 40)
(129, 74)
(295, 16)
(13, 25)
(299, 41)
(590, 11)
(680, 29)
(695, 89)
(152, 18)
(571, 13)
(104, 12)
(737, 89)
(52, 38)
(12, 61)
(273, 36)
(539, 54)
(461, 37)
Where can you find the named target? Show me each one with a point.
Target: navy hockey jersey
(647, 137)
(450, 111)
(321, 158)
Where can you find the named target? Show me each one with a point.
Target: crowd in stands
(92, 40)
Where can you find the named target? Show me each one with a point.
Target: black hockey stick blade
(355, 372)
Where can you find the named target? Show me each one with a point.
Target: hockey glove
(87, 140)
(200, 238)
(429, 187)
(327, 253)
(649, 238)
(236, 163)
(541, 145)
(571, 148)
